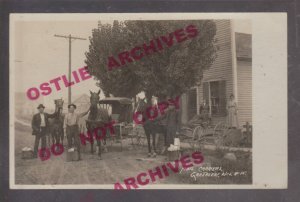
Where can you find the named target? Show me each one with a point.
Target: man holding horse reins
(40, 126)
(71, 127)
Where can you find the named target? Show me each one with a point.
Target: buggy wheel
(220, 130)
(198, 134)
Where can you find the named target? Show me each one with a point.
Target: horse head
(141, 104)
(95, 97)
(58, 104)
(94, 100)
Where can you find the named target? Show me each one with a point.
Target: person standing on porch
(232, 110)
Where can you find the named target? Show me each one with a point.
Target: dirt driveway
(116, 166)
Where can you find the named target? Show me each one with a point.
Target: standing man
(173, 123)
(71, 127)
(39, 126)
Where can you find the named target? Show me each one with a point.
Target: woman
(232, 113)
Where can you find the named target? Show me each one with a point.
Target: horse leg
(48, 139)
(59, 137)
(153, 144)
(99, 149)
(91, 139)
(149, 146)
(53, 137)
(92, 146)
(56, 139)
(104, 144)
(147, 132)
(56, 136)
(62, 136)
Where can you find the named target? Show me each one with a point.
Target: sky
(41, 57)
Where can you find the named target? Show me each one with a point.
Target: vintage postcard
(148, 101)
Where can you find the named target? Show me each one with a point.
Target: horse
(56, 124)
(97, 118)
(150, 126)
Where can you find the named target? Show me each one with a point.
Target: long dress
(232, 114)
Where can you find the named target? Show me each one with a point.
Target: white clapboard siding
(244, 78)
(222, 67)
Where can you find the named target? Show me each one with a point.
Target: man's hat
(71, 105)
(41, 106)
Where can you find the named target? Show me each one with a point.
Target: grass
(213, 159)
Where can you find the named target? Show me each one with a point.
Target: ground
(118, 165)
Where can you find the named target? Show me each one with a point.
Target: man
(39, 126)
(204, 110)
(173, 123)
(202, 118)
(71, 127)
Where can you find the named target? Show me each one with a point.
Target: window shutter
(222, 94)
(205, 92)
(192, 102)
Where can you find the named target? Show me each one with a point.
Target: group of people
(167, 124)
(40, 127)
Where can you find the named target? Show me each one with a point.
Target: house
(82, 103)
(231, 73)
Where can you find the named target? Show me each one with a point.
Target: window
(214, 93)
(243, 46)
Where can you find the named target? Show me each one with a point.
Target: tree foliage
(169, 72)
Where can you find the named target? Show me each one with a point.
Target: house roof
(82, 98)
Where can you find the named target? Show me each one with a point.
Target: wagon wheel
(188, 137)
(198, 136)
(220, 130)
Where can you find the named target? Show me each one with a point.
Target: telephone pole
(69, 37)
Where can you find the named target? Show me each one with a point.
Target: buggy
(121, 113)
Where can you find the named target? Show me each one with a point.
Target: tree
(168, 72)
(105, 40)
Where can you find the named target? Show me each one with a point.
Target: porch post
(234, 62)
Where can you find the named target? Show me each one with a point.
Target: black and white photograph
(148, 101)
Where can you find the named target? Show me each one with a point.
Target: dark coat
(173, 119)
(36, 122)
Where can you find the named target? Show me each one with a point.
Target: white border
(269, 35)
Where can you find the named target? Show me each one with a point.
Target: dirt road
(115, 166)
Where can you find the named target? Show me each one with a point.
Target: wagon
(121, 113)
(204, 133)
(121, 108)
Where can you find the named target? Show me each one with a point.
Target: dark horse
(98, 117)
(56, 124)
(151, 127)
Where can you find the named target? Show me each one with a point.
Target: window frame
(222, 112)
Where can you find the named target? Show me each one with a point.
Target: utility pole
(69, 37)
